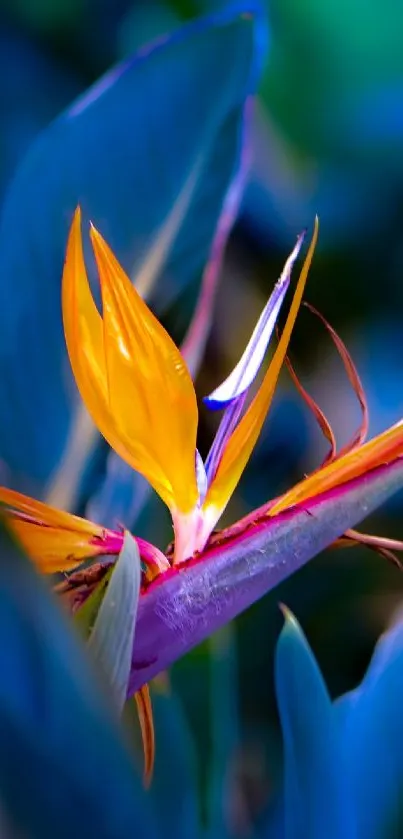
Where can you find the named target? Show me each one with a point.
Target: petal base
(189, 534)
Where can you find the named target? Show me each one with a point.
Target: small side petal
(55, 540)
(240, 445)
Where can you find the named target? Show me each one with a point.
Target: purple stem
(225, 429)
(189, 603)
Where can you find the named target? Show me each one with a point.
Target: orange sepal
(145, 714)
(383, 449)
(130, 374)
(56, 541)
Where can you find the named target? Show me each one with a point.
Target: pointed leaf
(111, 640)
(371, 730)
(316, 802)
(149, 153)
(190, 602)
(64, 770)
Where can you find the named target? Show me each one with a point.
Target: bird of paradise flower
(139, 392)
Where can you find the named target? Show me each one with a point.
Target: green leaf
(111, 640)
(86, 615)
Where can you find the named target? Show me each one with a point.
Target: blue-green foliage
(125, 151)
(343, 767)
(64, 769)
(174, 789)
(316, 803)
(371, 731)
(112, 636)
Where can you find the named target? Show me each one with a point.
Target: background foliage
(326, 138)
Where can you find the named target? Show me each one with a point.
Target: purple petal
(201, 477)
(247, 368)
(189, 603)
(225, 429)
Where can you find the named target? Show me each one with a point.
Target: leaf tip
(289, 617)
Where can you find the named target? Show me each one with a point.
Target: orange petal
(145, 713)
(381, 450)
(243, 439)
(82, 321)
(56, 541)
(130, 374)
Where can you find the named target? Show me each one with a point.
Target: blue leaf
(120, 496)
(224, 725)
(64, 770)
(174, 789)
(315, 800)
(112, 637)
(149, 152)
(37, 89)
(371, 730)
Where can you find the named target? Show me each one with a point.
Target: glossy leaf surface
(316, 799)
(371, 730)
(111, 640)
(152, 179)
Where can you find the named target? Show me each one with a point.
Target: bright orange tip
(55, 540)
(145, 714)
(131, 376)
(379, 451)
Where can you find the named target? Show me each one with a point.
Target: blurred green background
(326, 137)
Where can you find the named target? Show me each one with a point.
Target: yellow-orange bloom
(383, 449)
(130, 374)
(55, 540)
(139, 392)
